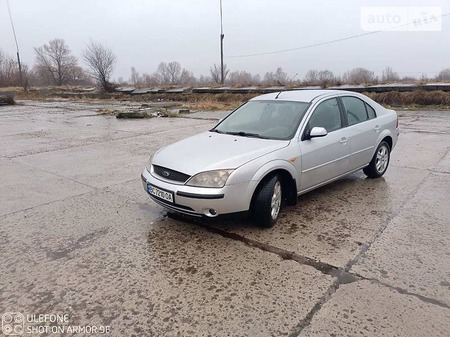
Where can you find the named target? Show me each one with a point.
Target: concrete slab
(424, 121)
(444, 164)
(106, 163)
(413, 252)
(24, 186)
(99, 258)
(99, 250)
(40, 132)
(54, 137)
(133, 190)
(330, 224)
(158, 125)
(420, 150)
(371, 310)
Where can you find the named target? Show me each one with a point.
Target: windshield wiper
(245, 134)
(239, 133)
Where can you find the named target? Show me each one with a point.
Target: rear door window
(355, 110)
(370, 111)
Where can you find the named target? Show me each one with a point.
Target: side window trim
(344, 119)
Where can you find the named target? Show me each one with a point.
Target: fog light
(210, 212)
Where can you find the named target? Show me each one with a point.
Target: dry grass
(418, 98)
(227, 101)
(214, 105)
(223, 101)
(210, 102)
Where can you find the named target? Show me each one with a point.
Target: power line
(336, 40)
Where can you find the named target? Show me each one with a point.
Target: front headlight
(210, 179)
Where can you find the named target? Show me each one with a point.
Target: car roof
(304, 95)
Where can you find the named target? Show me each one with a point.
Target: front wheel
(380, 161)
(267, 203)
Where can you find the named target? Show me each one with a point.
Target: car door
(324, 158)
(363, 130)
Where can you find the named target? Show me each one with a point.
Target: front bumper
(199, 201)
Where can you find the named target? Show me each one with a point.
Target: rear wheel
(380, 161)
(267, 202)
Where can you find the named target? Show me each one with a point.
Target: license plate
(159, 193)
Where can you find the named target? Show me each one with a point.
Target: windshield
(264, 119)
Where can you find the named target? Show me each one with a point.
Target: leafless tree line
(170, 73)
(56, 65)
(9, 71)
(173, 74)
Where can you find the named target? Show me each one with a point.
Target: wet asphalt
(80, 237)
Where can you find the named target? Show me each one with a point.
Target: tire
(267, 202)
(380, 161)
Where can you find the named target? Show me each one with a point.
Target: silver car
(269, 151)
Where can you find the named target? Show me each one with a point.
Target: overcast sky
(142, 33)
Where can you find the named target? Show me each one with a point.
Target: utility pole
(17, 45)
(221, 45)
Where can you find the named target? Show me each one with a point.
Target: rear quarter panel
(388, 121)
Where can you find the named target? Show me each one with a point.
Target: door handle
(343, 140)
(377, 128)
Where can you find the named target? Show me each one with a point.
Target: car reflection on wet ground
(80, 237)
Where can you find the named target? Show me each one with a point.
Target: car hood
(212, 151)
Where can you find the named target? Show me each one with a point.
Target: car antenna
(278, 95)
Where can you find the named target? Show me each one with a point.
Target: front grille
(177, 208)
(170, 174)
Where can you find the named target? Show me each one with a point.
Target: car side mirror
(317, 132)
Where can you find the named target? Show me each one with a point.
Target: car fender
(269, 167)
(383, 134)
(275, 165)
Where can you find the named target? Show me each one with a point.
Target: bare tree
(56, 60)
(359, 76)
(174, 72)
(216, 73)
(444, 75)
(241, 77)
(163, 73)
(8, 70)
(389, 75)
(151, 79)
(10, 73)
(312, 77)
(408, 79)
(187, 77)
(136, 79)
(101, 61)
(326, 78)
(75, 76)
(205, 80)
(256, 79)
(169, 73)
(278, 78)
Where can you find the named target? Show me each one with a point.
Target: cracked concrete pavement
(79, 236)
